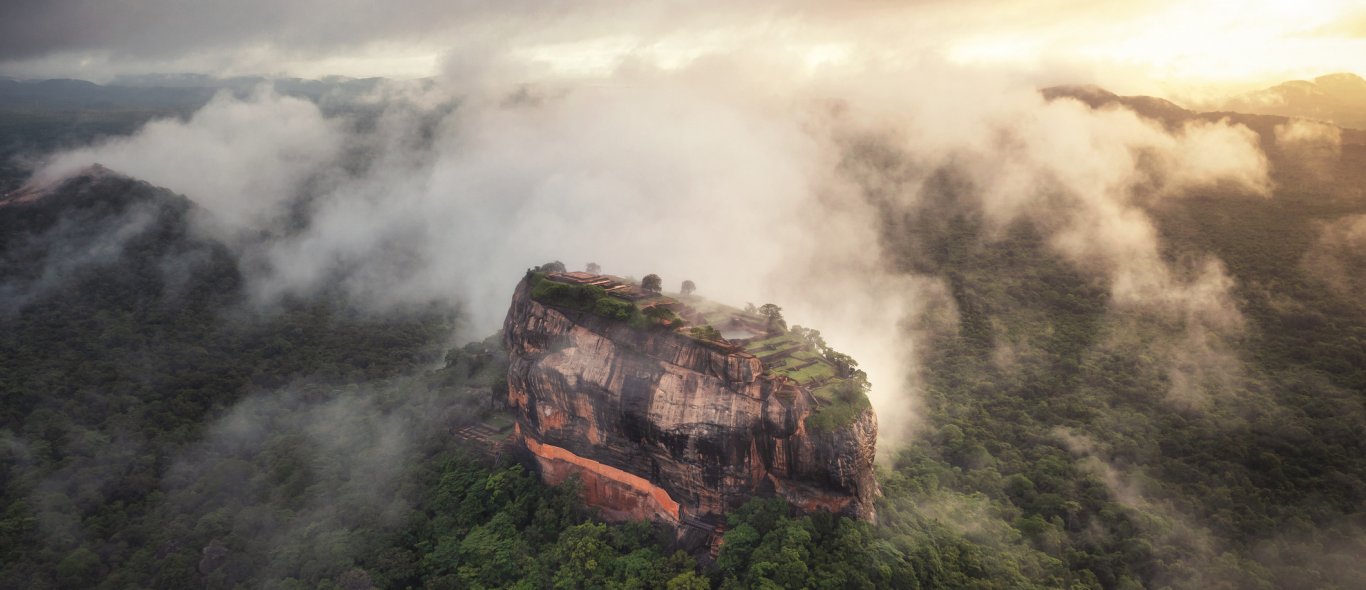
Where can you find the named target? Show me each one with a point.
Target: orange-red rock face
(619, 494)
(660, 426)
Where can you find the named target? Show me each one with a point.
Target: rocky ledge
(661, 425)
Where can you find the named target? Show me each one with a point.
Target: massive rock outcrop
(659, 425)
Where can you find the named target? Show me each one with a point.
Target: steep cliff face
(662, 426)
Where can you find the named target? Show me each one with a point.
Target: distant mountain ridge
(1172, 116)
(1096, 97)
(1335, 98)
(177, 92)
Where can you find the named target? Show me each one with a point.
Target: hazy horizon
(1168, 48)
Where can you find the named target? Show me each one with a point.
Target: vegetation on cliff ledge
(842, 402)
(832, 377)
(589, 298)
(596, 300)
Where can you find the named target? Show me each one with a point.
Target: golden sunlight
(1194, 42)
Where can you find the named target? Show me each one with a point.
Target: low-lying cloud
(734, 174)
(1309, 148)
(1341, 247)
(239, 159)
(318, 473)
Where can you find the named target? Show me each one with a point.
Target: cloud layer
(741, 175)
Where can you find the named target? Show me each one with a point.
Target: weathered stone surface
(658, 425)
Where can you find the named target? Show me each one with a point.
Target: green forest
(160, 429)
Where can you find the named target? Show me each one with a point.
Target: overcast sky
(1158, 46)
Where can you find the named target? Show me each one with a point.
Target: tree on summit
(812, 338)
(593, 268)
(652, 283)
(774, 315)
(687, 288)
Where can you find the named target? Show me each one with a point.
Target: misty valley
(715, 326)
